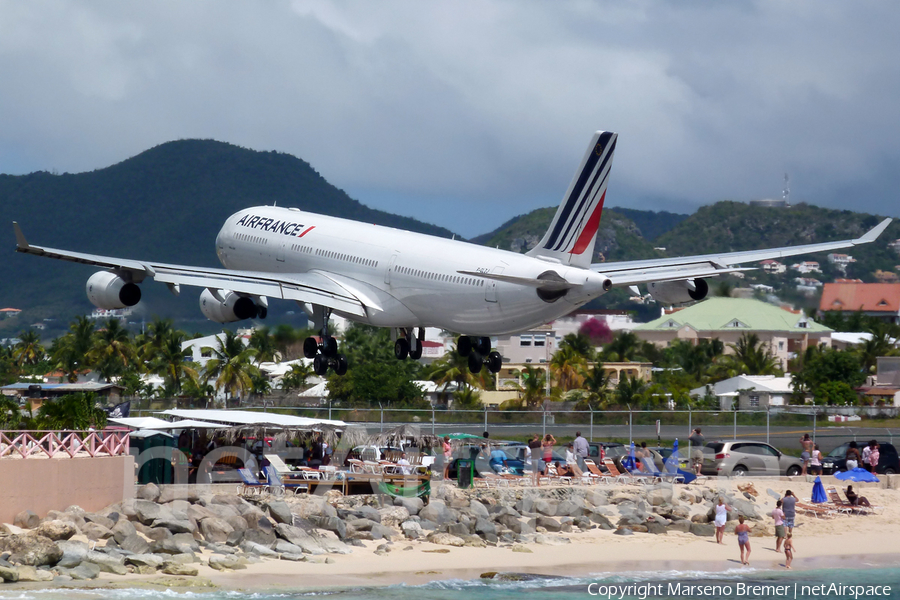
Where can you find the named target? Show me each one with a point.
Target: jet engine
(232, 307)
(108, 291)
(677, 292)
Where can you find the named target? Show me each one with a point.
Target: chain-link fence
(780, 426)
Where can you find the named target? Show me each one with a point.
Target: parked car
(610, 450)
(836, 460)
(737, 458)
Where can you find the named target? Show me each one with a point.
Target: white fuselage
(413, 277)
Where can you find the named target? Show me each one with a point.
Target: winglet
(21, 242)
(872, 234)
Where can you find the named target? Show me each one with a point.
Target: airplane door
(490, 289)
(390, 268)
(279, 256)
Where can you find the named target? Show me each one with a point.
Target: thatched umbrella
(406, 433)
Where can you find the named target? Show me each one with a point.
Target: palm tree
(29, 350)
(112, 351)
(453, 367)
(534, 385)
(72, 411)
(69, 352)
(9, 413)
(596, 383)
(629, 390)
(169, 362)
(158, 332)
(232, 365)
(295, 379)
(878, 345)
(580, 344)
(467, 398)
(623, 347)
(264, 343)
(753, 357)
(568, 366)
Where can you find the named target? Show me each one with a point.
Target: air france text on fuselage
(283, 227)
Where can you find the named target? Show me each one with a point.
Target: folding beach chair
(250, 484)
(279, 487)
(649, 465)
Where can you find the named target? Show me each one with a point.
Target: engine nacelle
(108, 291)
(677, 292)
(234, 308)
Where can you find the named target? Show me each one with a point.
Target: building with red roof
(881, 300)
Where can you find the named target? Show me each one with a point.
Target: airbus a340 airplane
(409, 281)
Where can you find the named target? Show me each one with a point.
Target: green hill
(165, 204)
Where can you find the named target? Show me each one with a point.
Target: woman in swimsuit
(547, 451)
(721, 517)
(788, 551)
(743, 533)
(807, 445)
(448, 456)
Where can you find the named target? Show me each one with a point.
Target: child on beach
(788, 550)
(743, 533)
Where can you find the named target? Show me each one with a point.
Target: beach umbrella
(671, 463)
(630, 461)
(818, 492)
(405, 433)
(857, 474)
(460, 436)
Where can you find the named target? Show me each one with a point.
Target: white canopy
(160, 425)
(246, 417)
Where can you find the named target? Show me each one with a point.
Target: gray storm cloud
(469, 113)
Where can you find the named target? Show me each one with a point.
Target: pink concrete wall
(42, 485)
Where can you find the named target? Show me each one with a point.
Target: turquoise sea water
(738, 583)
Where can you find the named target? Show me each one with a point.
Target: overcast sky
(466, 114)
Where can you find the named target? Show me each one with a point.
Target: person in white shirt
(405, 467)
(572, 461)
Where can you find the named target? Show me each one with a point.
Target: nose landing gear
(325, 353)
(478, 351)
(409, 345)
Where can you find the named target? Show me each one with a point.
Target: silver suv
(737, 458)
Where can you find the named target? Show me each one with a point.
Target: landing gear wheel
(483, 346)
(320, 365)
(340, 366)
(329, 346)
(494, 362)
(475, 363)
(310, 347)
(401, 349)
(464, 345)
(415, 349)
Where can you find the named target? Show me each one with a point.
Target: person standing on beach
(696, 440)
(743, 532)
(852, 456)
(547, 451)
(874, 455)
(788, 551)
(536, 467)
(778, 515)
(722, 510)
(582, 449)
(448, 456)
(789, 506)
(807, 445)
(815, 461)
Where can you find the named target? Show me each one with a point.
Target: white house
(808, 266)
(773, 267)
(749, 392)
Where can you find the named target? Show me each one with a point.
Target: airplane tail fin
(570, 238)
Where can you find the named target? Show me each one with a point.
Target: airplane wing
(312, 287)
(628, 273)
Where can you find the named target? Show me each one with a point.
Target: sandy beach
(850, 541)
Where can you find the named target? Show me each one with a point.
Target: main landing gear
(325, 353)
(478, 351)
(409, 345)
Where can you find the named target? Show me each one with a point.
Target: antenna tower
(786, 194)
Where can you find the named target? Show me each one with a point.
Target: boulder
(73, 553)
(179, 508)
(180, 570)
(253, 517)
(703, 529)
(10, 574)
(187, 541)
(623, 531)
(135, 543)
(167, 493)
(548, 523)
(32, 574)
(682, 525)
(411, 529)
(122, 530)
(146, 512)
(197, 512)
(333, 546)
(215, 529)
(298, 537)
(412, 505)
(285, 547)
(266, 537)
(280, 511)
(544, 507)
(330, 524)
(258, 549)
(55, 530)
(485, 526)
(227, 500)
(145, 560)
(458, 529)
(656, 528)
(108, 563)
(157, 534)
(176, 525)
(86, 570)
(149, 491)
(227, 562)
(659, 496)
(551, 540)
(237, 523)
(29, 549)
(222, 511)
(438, 512)
(99, 520)
(95, 532)
(185, 558)
(26, 520)
(392, 516)
(446, 539)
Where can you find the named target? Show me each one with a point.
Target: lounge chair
(279, 464)
(279, 487)
(553, 476)
(595, 473)
(649, 465)
(622, 477)
(817, 510)
(845, 506)
(250, 484)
